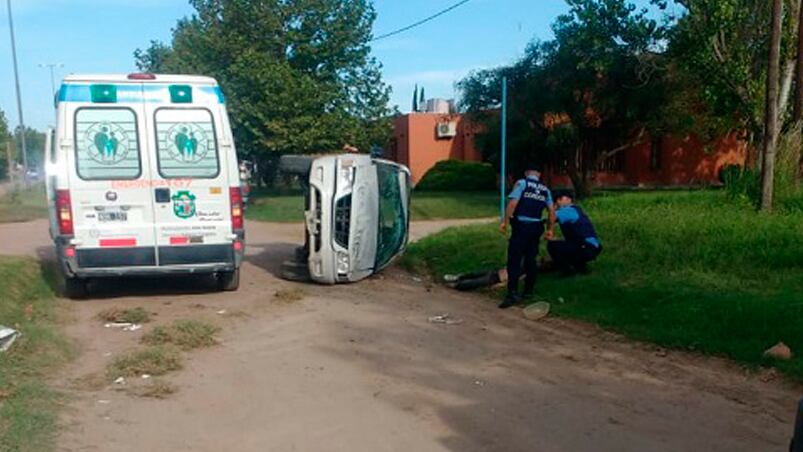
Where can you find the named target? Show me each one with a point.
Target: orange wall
(418, 146)
(683, 161)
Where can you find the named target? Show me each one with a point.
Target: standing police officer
(581, 244)
(524, 213)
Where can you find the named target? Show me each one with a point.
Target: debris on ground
(537, 311)
(221, 312)
(444, 319)
(779, 351)
(7, 337)
(119, 381)
(125, 326)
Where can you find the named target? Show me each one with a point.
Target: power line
(422, 21)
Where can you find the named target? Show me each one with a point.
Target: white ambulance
(142, 179)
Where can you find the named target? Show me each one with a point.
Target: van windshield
(392, 227)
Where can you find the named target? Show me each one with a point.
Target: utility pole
(19, 94)
(503, 153)
(52, 67)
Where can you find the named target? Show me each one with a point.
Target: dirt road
(360, 368)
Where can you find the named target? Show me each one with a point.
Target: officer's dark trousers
(522, 250)
(571, 257)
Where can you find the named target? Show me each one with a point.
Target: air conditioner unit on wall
(447, 129)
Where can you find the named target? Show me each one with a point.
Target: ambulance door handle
(162, 195)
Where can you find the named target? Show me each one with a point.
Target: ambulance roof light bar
(141, 76)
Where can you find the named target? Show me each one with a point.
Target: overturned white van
(357, 211)
(142, 179)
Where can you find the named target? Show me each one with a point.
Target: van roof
(123, 78)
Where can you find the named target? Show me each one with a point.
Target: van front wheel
(75, 288)
(229, 281)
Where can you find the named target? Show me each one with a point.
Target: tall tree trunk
(577, 173)
(771, 115)
(798, 115)
(799, 84)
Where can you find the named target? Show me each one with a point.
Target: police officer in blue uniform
(525, 209)
(581, 244)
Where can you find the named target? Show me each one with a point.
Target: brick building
(422, 139)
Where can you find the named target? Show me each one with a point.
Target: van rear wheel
(229, 281)
(75, 288)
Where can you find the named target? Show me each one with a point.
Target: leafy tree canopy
(298, 74)
(580, 98)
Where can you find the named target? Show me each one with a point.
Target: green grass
(433, 205)
(185, 334)
(687, 270)
(27, 405)
(288, 207)
(18, 206)
(156, 361)
(276, 206)
(119, 315)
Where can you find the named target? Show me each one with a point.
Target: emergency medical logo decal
(110, 143)
(184, 204)
(188, 142)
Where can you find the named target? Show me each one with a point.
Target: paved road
(360, 368)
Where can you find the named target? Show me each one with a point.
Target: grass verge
(157, 361)
(185, 334)
(28, 407)
(18, 206)
(425, 205)
(686, 270)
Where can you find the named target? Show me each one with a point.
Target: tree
(771, 116)
(422, 101)
(35, 143)
(298, 75)
(579, 99)
(4, 140)
(415, 98)
(721, 48)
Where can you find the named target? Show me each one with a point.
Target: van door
(191, 186)
(109, 175)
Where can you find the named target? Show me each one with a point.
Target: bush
(456, 175)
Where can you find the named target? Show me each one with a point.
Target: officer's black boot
(510, 300)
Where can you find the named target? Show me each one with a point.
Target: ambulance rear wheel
(75, 288)
(229, 281)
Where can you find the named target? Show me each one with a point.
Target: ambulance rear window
(186, 143)
(107, 144)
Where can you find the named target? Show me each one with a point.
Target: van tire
(75, 288)
(298, 165)
(229, 281)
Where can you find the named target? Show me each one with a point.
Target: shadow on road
(269, 256)
(119, 287)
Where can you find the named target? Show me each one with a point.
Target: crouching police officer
(581, 244)
(524, 213)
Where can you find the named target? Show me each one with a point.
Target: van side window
(107, 144)
(186, 143)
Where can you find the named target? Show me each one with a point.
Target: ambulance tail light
(64, 212)
(236, 201)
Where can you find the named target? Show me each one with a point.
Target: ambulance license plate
(112, 216)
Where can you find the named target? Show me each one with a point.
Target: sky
(100, 36)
